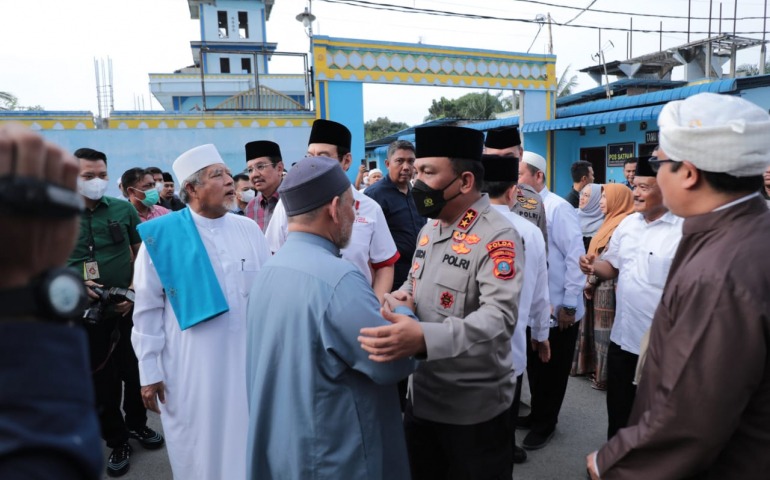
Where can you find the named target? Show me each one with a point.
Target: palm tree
(566, 85)
(7, 101)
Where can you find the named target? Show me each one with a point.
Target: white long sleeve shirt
(565, 246)
(534, 305)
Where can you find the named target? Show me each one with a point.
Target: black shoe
(536, 440)
(149, 438)
(117, 464)
(519, 454)
(523, 422)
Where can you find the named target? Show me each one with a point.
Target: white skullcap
(375, 170)
(717, 133)
(195, 159)
(532, 158)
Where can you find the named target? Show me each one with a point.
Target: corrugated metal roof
(663, 96)
(605, 118)
(497, 123)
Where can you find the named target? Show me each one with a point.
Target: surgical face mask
(159, 186)
(430, 201)
(93, 189)
(247, 195)
(151, 197)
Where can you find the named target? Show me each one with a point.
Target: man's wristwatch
(56, 296)
(570, 310)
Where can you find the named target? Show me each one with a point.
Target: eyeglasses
(260, 166)
(655, 163)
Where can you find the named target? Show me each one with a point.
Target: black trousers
(514, 410)
(548, 381)
(440, 451)
(621, 391)
(117, 381)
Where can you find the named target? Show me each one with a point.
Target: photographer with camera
(104, 253)
(48, 423)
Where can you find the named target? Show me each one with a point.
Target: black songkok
(452, 142)
(262, 148)
(333, 133)
(504, 137)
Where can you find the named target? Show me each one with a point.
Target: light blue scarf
(176, 250)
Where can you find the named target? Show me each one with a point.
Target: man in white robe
(191, 356)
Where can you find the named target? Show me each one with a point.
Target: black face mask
(430, 201)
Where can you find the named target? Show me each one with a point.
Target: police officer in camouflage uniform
(506, 142)
(464, 286)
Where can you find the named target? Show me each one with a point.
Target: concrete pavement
(582, 428)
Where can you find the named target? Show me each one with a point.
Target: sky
(49, 46)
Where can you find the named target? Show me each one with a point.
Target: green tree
(566, 84)
(382, 127)
(8, 101)
(752, 69)
(472, 105)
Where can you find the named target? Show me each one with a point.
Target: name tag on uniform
(90, 270)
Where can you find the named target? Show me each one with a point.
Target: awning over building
(596, 119)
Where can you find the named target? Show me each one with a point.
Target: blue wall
(569, 142)
(347, 108)
(160, 147)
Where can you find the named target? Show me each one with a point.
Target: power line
(633, 14)
(582, 11)
(475, 16)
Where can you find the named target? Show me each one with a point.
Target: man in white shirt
(500, 177)
(639, 255)
(371, 248)
(548, 381)
(193, 277)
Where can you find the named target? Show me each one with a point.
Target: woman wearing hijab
(616, 202)
(589, 214)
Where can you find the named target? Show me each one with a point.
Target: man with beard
(193, 276)
(319, 408)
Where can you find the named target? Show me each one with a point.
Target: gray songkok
(717, 133)
(311, 183)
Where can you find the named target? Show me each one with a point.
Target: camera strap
(25, 197)
(114, 339)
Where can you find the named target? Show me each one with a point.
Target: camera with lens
(107, 296)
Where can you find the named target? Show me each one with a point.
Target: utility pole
(550, 35)
(763, 48)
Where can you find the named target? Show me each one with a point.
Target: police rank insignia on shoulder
(502, 253)
(468, 218)
(447, 299)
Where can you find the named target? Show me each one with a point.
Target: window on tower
(224, 65)
(243, 25)
(245, 65)
(222, 22)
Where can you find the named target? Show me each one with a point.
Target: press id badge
(90, 270)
